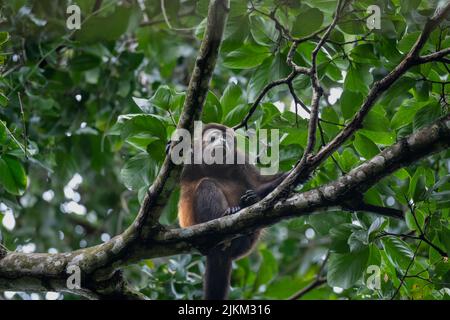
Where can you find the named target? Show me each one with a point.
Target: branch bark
(146, 238)
(98, 264)
(40, 271)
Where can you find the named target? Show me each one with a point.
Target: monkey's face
(218, 138)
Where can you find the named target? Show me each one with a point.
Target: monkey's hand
(231, 210)
(250, 197)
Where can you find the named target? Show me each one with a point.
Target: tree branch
(41, 271)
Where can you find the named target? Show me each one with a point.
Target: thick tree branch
(40, 271)
(303, 169)
(99, 263)
(146, 238)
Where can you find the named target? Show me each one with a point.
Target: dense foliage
(85, 116)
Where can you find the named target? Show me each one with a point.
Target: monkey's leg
(210, 203)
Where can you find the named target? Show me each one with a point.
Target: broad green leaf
(358, 79)
(238, 113)
(405, 114)
(398, 252)
(379, 137)
(267, 269)
(426, 115)
(324, 222)
(212, 111)
(111, 27)
(365, 146)
(307, 22)
(376, 121)
(138, 172)
(345, 269)
(246, 57)
(84, 62)
(4, 37)
(3, 133)
(364, 54)
(131, 125)
(232, 97)
(406, 43)
(12, 175)
(350, 103)
(3, 100)
(263, 30)
(166, 98)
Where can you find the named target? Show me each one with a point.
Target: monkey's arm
(267, 187)
(250, 197)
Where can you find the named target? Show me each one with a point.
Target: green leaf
(406, 113)
(138, 172)
(232, 97)
(379, 137)
(246, 57)
(161, 98)
(358, 240)
(212, 111)
(263, 30)
(344, 270)
(398, 252)
(348, 159)
(3, 133)
(131, 125)
(307, 22)
(12, 175)
(111, 27)
(324, 222)
(365, 146)
(426, 115)
(376, 121)
(364, 54)
(339, 237)
(4, 37)
(444, 237)
(267, 270)
(358, 79)
(408, 41)
(350, 103)
(3, 100)
(377, 225)
(416, 190)
(238, 113)
(84, 62)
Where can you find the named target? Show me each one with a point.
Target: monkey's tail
(217, 276)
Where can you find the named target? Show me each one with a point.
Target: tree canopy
(361, 101)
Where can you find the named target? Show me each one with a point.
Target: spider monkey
(211, 191)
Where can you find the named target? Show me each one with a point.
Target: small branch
(25, 135)
(383, 211)
(318, 281)
(315, 284)
(436, 56)
(261, 95)
(97, 6)
(41, 271)
(402, 280)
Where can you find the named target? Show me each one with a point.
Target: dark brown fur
(208, 192)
